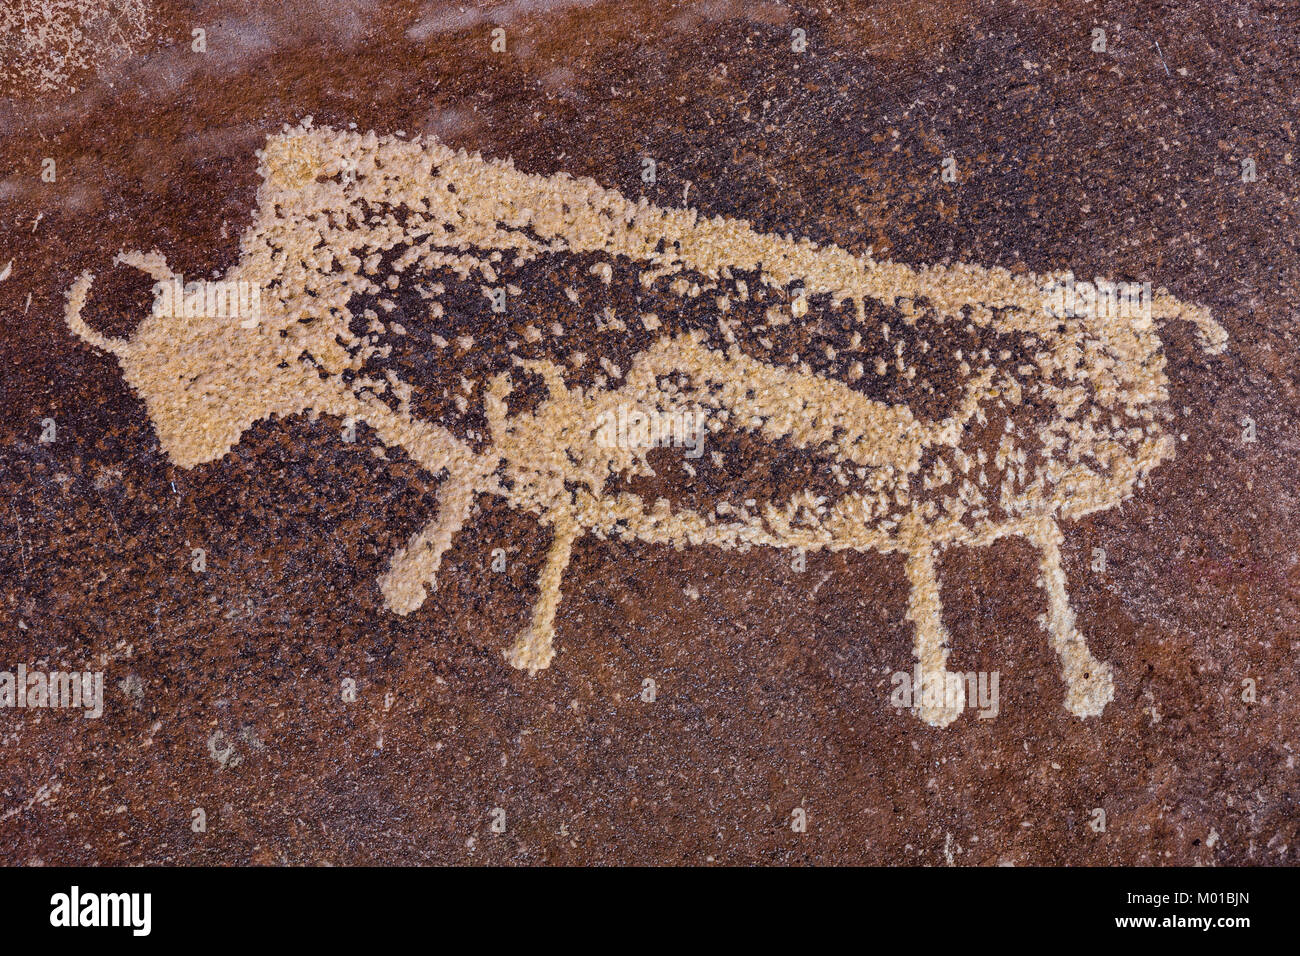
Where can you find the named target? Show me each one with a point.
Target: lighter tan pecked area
(45, 45)
(328, 214)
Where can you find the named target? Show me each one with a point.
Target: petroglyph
(1036, 417)
(46, 43)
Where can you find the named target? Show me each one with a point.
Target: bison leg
(1088, 681)
(416, 566)
(941, 696)
(535, 649)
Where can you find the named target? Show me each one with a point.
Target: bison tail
(1212, 336)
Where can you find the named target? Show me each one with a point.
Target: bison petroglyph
(1050, 414)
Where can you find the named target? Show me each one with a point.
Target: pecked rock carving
(1067, 423)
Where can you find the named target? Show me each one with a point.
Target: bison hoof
(1089, 695)
(945, 704)
(532, 652)
(401, 594)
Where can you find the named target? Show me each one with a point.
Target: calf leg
(535, 649)
(1088, 681)
(416, 566)
(941, 696)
